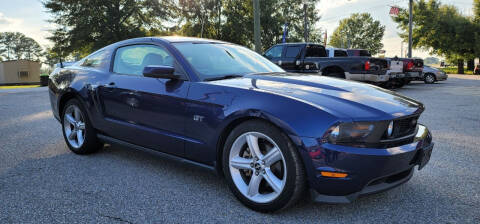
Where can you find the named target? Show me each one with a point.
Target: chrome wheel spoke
(241, 163)
(70, 119)
(77, 114)
(81, 126)
(254, 185)
(252, 142)
(273, 180)
(80, 137)
(272, 156)
(72, 134)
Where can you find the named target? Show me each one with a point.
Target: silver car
(431, 75)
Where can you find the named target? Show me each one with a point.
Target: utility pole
(410, 18)
(305, 22)
(401, 49)
(256, 26)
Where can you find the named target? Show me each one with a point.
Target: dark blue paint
(159, 114)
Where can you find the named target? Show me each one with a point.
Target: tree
(359, 31)
(440, 29)
(238, 24)
(87, 25)
(18, 46)
(200, 18)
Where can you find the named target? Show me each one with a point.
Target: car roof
(179, 39)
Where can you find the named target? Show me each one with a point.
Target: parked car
(358, 52)
(270, 133)
(432, 75)
(313, 58)
(413, 69)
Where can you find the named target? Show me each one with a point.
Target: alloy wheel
(430, 79)
(257, 167)
(74, 126)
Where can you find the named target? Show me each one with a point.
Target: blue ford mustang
(273, 135)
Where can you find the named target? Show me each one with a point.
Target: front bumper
(441, 77)
(369, 170)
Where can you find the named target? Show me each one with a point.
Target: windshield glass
(212, 60)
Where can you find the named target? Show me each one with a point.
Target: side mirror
(160, 72)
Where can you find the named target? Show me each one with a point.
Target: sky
(29, 17)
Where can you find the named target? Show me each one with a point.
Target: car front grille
(404, 127)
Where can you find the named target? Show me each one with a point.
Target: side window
(315, 51)
(338, 53)
(131, 60)
(96, 60)
(275, 52)
(292, 52)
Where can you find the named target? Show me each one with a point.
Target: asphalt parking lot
(41, 181)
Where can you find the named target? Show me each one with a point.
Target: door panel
(291, 55)
(145, 111)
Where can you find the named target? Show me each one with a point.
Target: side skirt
(111, 140)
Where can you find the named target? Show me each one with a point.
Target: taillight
(367, 65)
(410, 65)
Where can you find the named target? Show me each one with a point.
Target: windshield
(212, 60)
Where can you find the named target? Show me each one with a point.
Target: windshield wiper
(223, 77)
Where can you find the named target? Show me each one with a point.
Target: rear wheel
(429, 78)
(78, 132)
(339, 75)
(262, 167)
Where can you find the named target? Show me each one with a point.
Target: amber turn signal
(333, 174)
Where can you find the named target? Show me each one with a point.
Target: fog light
(333, 174)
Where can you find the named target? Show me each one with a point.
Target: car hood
(341, 98)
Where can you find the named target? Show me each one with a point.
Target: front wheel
(262, 167)
(429, 78)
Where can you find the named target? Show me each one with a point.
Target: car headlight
(357, 133)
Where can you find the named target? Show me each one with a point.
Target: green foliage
(87, 25)
(442, 29)
(359, 31)
(15, 45)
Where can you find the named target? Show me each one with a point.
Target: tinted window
(292, 52)
(96, 60)
(132, 59)
(315, 51)
(338, 53)
(274, 52)
(359, 53)
(212, 60)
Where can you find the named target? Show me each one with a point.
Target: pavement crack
(119, 219)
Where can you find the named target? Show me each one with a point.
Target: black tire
(339, 75)
(295, 184)
(400, 83)
(91, 143)
(429, 78)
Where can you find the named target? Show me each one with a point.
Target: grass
(453, 70)
(19, 86)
